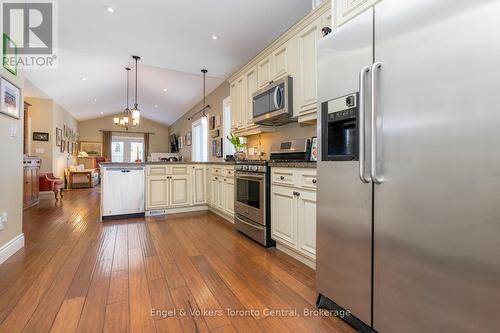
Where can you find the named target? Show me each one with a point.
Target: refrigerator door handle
(373, 167)
(362, 129)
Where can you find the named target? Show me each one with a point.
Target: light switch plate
(40, 150)
(13, 130)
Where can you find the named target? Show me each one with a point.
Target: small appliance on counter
(297, 150)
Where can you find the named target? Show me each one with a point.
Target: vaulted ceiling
(175, 40)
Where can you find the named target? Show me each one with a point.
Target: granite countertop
(293, 164)
(124, 164)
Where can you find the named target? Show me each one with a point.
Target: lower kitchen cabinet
(199, 185)
(222, 191)
(229, 195)
(179, 191)
(156, 192)
(293, 212)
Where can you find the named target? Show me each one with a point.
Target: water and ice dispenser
(339, 119)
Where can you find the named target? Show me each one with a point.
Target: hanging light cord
(136, 82)
(128, 71)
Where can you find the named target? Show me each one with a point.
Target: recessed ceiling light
(83, 78)
(102, 112)
(109, 9)
(95, 99)
(214, 37)
(165, 89)
(156, 106)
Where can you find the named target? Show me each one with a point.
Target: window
(226, 123)
(127, 149)
(200, 140)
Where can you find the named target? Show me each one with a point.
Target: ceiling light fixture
(83, 78)
(165, 89)
(205, 106)
(109, 9)
(136, 113)
(95, 99)
(214, 37)
(126, 121)
(156, 106)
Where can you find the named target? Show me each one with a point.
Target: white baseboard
(166, 211)
(225, 216)
(11, 247)
(295, 255)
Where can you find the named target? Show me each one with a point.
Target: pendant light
(205, 106)
(136, 113)
(126, 121)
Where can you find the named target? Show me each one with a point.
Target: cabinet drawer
(282, 178)
(179, 170)
(229, 173)
(308, 180)
(217, 171)
(157, 170)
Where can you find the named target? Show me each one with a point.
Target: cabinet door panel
(157, 192)
(348, 9)
(199, 188)
(229, 196)
(252, 86)
(179, 191)
(264, 72)
(306, 217)
(221, 195)
(280, 62)
(307, 94)
(283, 227)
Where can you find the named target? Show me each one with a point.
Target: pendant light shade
(131, 118)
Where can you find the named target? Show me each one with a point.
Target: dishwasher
(122, 192)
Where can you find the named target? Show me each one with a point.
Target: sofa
(79, 177)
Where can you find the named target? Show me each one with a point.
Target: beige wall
(183, 125)
(158, 143)
(11, 177)
(282, 133)
(45, 115)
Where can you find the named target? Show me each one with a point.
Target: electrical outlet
(13, 130)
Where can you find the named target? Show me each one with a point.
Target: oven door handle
(249, 224)
(246, 177)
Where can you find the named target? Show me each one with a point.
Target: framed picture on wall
(40, 136)
(215, 133)
(63, 146)
(217, 121)
(10, 98)
(212, 123)
(314, 149)
(70, 147)
(189, 138)
(58, 137)
(92, 148)
(11, 58)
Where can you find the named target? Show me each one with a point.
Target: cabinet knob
(282, 178)
(297, 194)
(314, 181)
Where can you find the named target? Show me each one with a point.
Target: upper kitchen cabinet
(292, 54)
(344, 10)
(264, 72)
(251, 87)
(305, 84)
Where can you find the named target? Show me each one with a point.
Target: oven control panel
(250, 168)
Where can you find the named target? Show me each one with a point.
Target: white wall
(11, 169)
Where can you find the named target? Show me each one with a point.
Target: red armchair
(47, 182)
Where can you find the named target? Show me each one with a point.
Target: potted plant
(238, 147)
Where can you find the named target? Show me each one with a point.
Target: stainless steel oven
(252, 197)
(273, 104)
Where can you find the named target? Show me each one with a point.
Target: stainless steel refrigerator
(408, 226)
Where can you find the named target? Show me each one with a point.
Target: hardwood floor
(78, 275)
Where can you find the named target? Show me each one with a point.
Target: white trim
(11, 247)
(292, 253)
(225, 216)
(167, 211)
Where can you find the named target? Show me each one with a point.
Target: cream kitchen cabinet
(251, 87)
(264, 72)
(222, 191)
(293, 212)
(237, 100)
(156, 192)
(229, 196)
(281, 59)
(345, 10)
(179, 190)
(199, 183)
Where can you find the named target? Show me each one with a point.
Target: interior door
(344, 208)
(437, 212)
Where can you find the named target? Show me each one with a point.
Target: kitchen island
(166, 188)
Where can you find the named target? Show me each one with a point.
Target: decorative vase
(240, 155)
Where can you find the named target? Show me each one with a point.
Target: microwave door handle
(373, 168)
(362, 129)
(275, 97)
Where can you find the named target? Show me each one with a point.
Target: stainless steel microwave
(273, 104)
